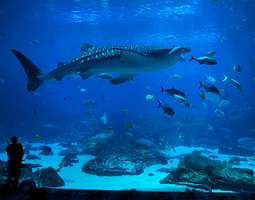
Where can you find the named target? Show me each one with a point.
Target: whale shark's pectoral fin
(122, 78)
(84, 74)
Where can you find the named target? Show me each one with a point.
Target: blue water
(61, 27)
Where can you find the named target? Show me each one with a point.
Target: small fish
(201, 94)
(237, 68)
(204, 60)
(34, 42)
(89, 102)
(108, 128)
(37, 136)
(180, 137)
(219, 113)
(209, 54)
(48, 126)
(169, 37)
(93, 143)
(150, 97)
(209, 88)
(253, 79)
(209, 127)
(129, 126)
(1, 34)
(245, 141)
(224, 103)
(172, 91)
(83, 90)
(234, 82)
(105, 76)
(210, 79)
(222, 38)
(250, 61)
(125, 111)
(246, 20)
(64, 138)
(35, 112)
(182, 100)
(177, 76)
(166, 108)
(89, 111)
(239, 27)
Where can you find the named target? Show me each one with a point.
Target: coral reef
(200, 172)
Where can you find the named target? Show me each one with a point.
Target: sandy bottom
(76, 179)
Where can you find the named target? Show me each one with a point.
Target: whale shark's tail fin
(33, 72)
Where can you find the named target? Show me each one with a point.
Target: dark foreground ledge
(28, 191)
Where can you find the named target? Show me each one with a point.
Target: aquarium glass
(112, 91)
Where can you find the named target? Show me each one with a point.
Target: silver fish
(234, 82)
(219, 113)
(204, 60)
(182, 100)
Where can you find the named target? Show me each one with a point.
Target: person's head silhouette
(14, 140)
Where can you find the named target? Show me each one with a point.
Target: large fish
(127, 61)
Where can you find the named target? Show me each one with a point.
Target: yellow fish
(180, 136)
(89, 111)
(64, 138)
(129, 126)
(108, 128)
(38, 136)
(254, 79)
(125, 111)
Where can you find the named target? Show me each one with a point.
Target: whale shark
(127, 61)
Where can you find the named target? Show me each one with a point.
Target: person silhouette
(15, 154)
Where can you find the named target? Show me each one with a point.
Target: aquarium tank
(155, 95)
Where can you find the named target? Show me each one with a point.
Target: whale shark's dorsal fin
(86, 47)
